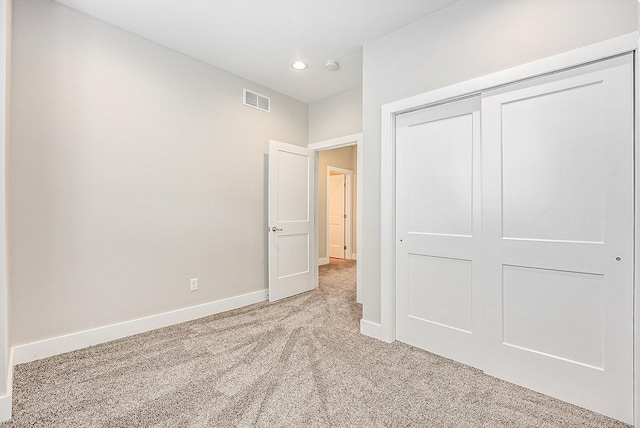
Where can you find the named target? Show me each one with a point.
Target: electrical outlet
(194, 284)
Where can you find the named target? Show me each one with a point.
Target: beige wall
(345, 158)
(133, 169)
(468, 39)
(335, 117)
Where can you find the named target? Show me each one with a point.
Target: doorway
(339, 157)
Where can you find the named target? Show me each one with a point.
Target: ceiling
(260, 39)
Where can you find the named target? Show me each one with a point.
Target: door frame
(335, 143)
(348, 207)
(386, 329)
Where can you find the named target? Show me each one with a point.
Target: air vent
(258, 101)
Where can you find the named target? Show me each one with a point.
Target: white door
(337, 215)
(292, 259)
(438, 229)
(558, 235)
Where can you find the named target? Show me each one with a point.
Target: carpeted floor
(299, 362)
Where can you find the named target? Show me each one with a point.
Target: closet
(514, 233)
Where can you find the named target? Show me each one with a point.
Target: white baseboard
(372, 329)
(5, 407)
(5, 400)
(71, 342)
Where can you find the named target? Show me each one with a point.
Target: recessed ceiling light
(299, 65)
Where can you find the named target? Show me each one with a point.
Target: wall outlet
(194, 284)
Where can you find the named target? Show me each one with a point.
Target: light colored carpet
(299, 362)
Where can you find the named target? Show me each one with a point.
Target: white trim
(74, 341)
(6, 400)
(372, 329)
(6, 364)
(5, 407)
(335, 143)
(595, 52)
(323, 261)
(359, 212)
(636, 266)
(338, 170)
(348, 225)
(354, 256)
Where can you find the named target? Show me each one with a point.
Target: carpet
(297, 362)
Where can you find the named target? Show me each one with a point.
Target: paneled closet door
(558, 235)
(438, 229)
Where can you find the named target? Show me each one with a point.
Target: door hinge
(345, 247)
(345, 216)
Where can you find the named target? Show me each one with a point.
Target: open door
(292, 246)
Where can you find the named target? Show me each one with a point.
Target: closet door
(558, 235)
(438, 229)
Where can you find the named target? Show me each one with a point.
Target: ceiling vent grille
(258, 101)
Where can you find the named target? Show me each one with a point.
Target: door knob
(275, 229)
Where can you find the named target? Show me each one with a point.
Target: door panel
(438, 165)
(291, 220)
(554, 313)
(293, 194)
(440, 291)
(552, 165)
(557, 213)
(291, 260)
(438, 229)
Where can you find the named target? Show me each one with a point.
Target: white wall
(466, 40)
(345, 158)
(133, 169)
(335, 117)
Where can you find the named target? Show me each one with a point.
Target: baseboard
(71, 342)
(5, 407)
(5, 400)
(372, 329)
(323, 261)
